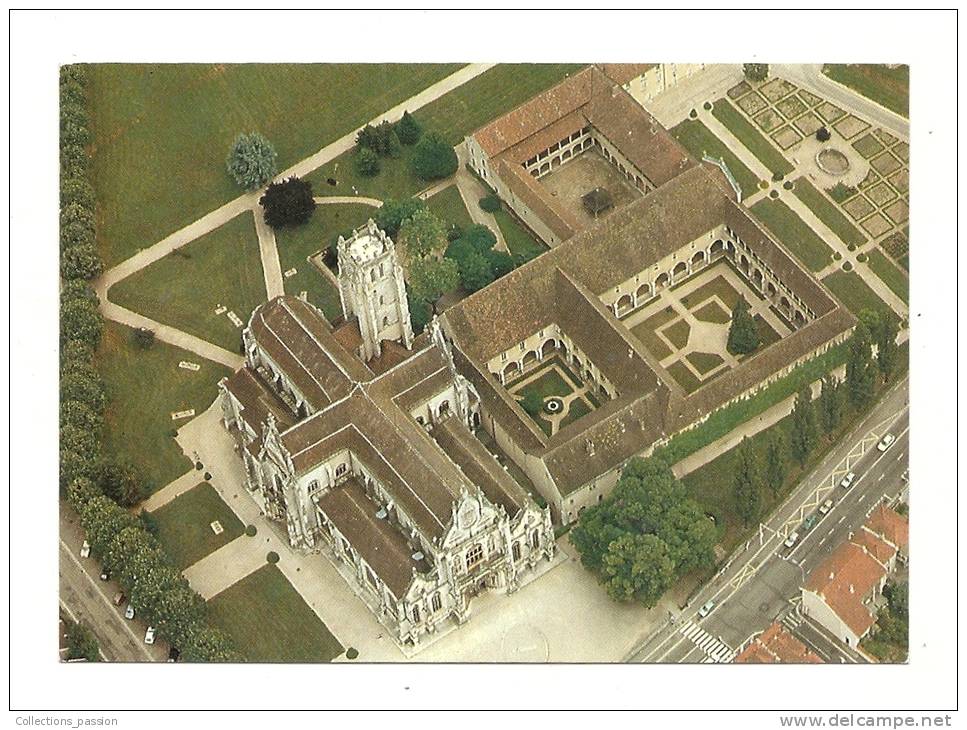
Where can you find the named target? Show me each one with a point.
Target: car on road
(847, 481)
(86, 549)
(810, 522)
(105, 575)
(886, 442)
(792, 539)
(129, 612)
(173, 654)
(706, 609)
(825, 507)
(119, 598)
(149, 635)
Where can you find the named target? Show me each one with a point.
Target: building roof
(891, 526)
(775, 645)
(623, 73)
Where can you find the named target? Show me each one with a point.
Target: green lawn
(889, 87)
(184, 525)
(394, 179)
(162, 131)
(548, 384)
(296, 244)
(684, 376)
(519, 240)
(270, 622)
(748, 135)
(183, 289)
(449, 207)
(578, 408)
(719, 286)
(678, 333)
(853, 292)
(712, 312)
(704, 362)
(699, 140)
(827, 212)
(795, 235)
(889, 274)
(143, 388)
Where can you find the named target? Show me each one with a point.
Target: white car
(86, 549)
(847, 481)
(886, 442)
(791, 540)
(129, 612)
(149, 635)
(825, 507)
(706, 609)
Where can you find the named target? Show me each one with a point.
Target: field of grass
(853, 292)
(184, 525)
(449, 207)
(270, 622)
(162, 131)
(296, 244)
(795, 235)
(699, 140)
(748, 135)
(143, 388)
(519, 240)
(827, 212)
(889, 87)
(183, 289)
(889, 274)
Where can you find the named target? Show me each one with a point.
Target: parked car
(886, 442)
(848, 480)
(706, 609)
(810, 522)
(119, 598)
(173, 654)
(129, 612)
(149, 635)
(105, 575)
(825, 507)
(86, 549)
(792, 539)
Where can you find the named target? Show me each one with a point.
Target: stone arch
(530, 357)
(771, 290)
(680, 268)
(644, 291)
(785, 306)
(510, 370)
(661, 281)
(444, 409)
(548, 348)
(757, 277)
(799, 319)
(744, 263)
(624, 304)
(698, 259)
(717, 247)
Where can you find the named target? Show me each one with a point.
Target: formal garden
(553, 395)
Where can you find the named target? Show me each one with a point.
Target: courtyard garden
(553, 395)
(749, 136)
(195, 287)
(827, 212)
(270, 622)
(144, 388)
(449, 207)
(184, 525)
(853, 292)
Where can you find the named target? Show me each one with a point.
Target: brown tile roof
(845, 580)
(532, 194)
(890, 525)
(378, 542)
(622, 73)
(257, 401)
(775, 645)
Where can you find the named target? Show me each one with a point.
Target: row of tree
(433, 157)
(95, 484)
(872, 359)
(647, 534)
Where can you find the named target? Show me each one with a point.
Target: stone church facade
(359, 438)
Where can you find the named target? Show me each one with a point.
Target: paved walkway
(471, 191)
(269, 252)
(347, 200)
(172, 490)
(672, 106)
(228, 565)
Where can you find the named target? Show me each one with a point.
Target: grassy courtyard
(519, 240)
(889, 87)
(270, 622)
(448, 206)
(853, 292)
(184, 525)
(295, 245)
(699, 140)
(749, 136)
(162, 131)
(183, 289)
(143, 388)
(889, 274)
(793, 233)
(827, 212)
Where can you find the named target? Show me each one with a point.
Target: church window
(474, 555)
(535, 539)
(436, 603)
(340, 470)
(313, 487)
(515, 551)
(416, 614)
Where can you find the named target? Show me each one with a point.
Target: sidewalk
(271, 268)
(471, 191)
(228, 565)
(173, 490)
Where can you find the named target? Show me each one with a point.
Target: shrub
(76, 355)
(81, 261)
(773, 194)
(74, 124)
(837, 255)
(777, 177)
(851, 246)
(707, 106)
(847, 266)
(822, 134)
(143, 338)
(366, 162)
(433, 158)
(408, 129)
(74, 160)
(756, 71)
(76, 189)
(763, 185)
(78, 386)
(272, 557)
(490, 203)
(693, 114)
(288, 203)
(74, 214)
(81, 643)
(787, 185)
(76, 234)
(80, 320)
(77, 289)
(119, 480)
(80, 415)
(862, 258)
(352, 653)
(251, 530)
(252, 161)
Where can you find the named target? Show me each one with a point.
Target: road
(87, 599)
(759, 584)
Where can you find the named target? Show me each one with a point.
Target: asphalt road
(762, 580)
(87, 599)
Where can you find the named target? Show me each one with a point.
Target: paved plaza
(582, 174)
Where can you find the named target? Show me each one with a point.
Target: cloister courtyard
(588, 171)
(565, 396)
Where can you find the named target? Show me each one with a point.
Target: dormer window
(341, 469)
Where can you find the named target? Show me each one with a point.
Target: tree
(743, 333)
(119, 480)
(143, 338)
(77, 214)
(480, 237)
(860, 373)
(408, 129)
(77, 289)
(802, 439)
(392, 214)
(81, 491)
(83, 387)
(76, 233)
(75, 466)
(420, 313)
(252, 161)
(747, 482)
(288, 203)
(80, 320)
(81, 643)
(76, 355)
(433, 158)
(775, 474)
(367, 162)
(595, 530)
(81, 261)
(475, 272)
(74, 124)
(532, 403)
(431, 278)
(490, 203)
(823, 134)
(830, 404)
(381, 139)
(887, 352)
(756, 71)
(638, 567)
(501, 263)
(102, 519)
(208, 644)
(76, 189)
(422, 235)
(689, 536)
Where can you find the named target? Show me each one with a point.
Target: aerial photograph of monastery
(475, 363)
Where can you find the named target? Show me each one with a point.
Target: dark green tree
(422, 234)
(81, 261)
(120, 481)
(103, 519)
(887, 351)
(501, 263)
(392, 214)
(775, 467)
(366, 162)
(85, 387)
(431, 278)
(252, 161)
(433, 157)
(80, 320)
(860, 370)
(592, 534)
(637, 567)
(830, 404)
(408, 129)
(802, 439)
(747, 482)
(288, 203)
(756, 71)
(81, 643)
(743, 333)
(420, 313)
(76, 189)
